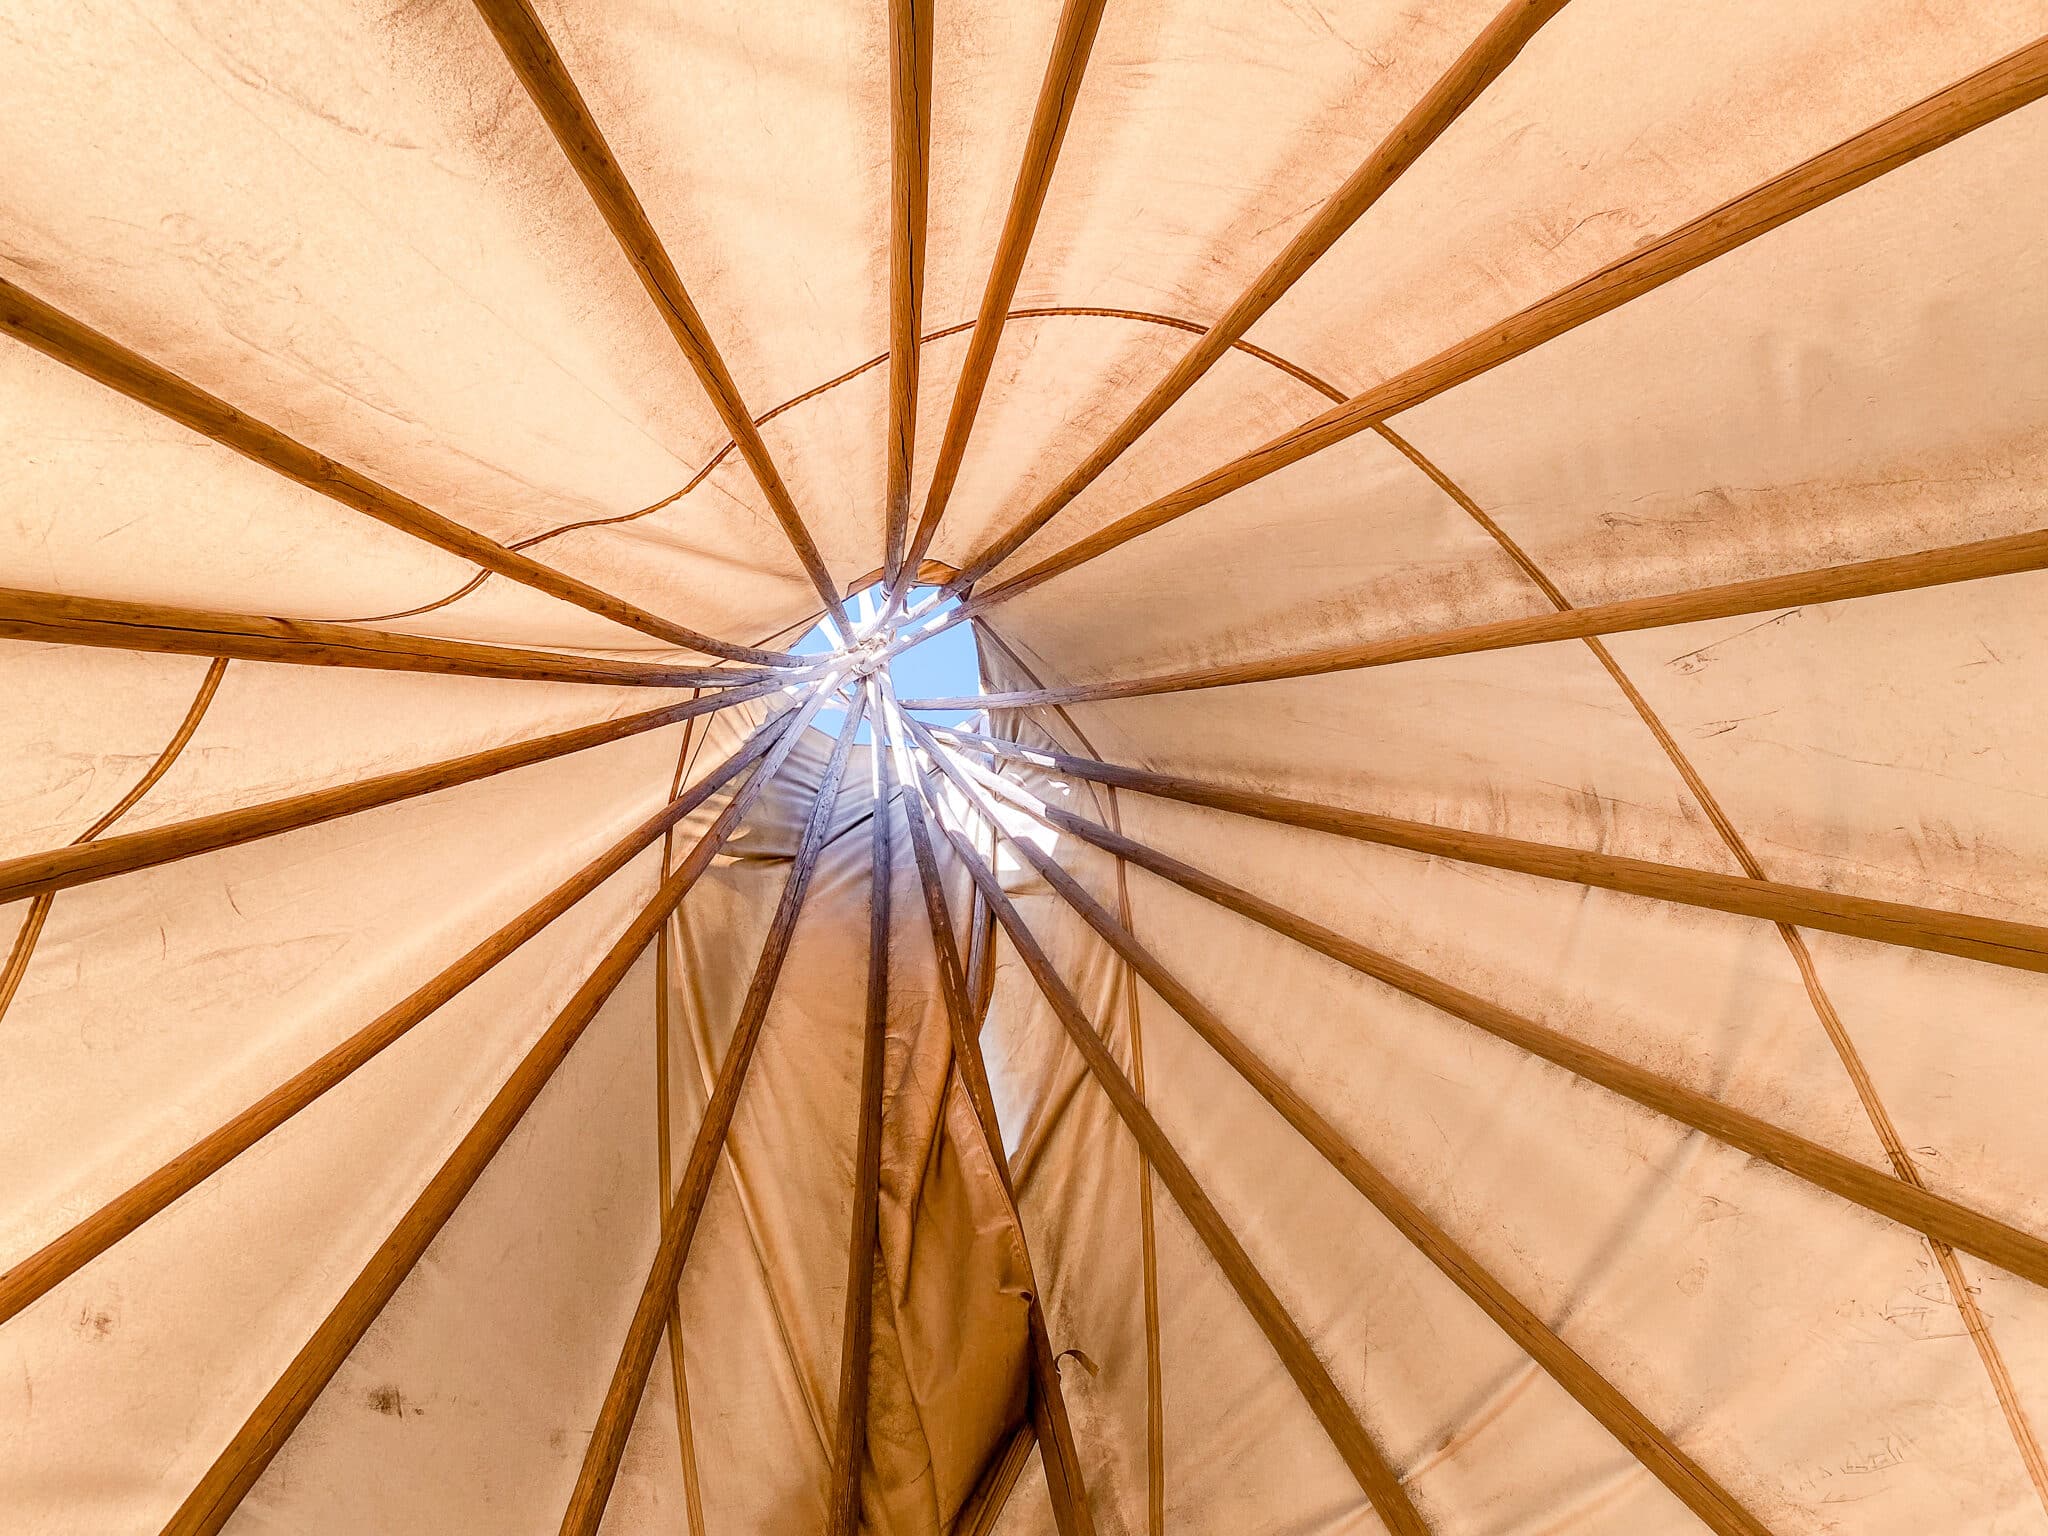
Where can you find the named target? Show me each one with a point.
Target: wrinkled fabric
(347, 219)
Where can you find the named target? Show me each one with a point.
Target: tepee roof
(1473, 972)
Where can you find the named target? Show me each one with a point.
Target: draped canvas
(368, 1008)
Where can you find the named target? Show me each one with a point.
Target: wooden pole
(629, 1377)
(235, 1471)
(1659, 1454)
(1148, 1245)
(1997, 941)
(60, 868)
(679, 1373)
(15, 969)
(1066, 1485)
(1339, 1420)
(2005, 86)
(64, 1255)
(1476, 68)
(849, 1446)
(991, 1492)
(1057, 93)
(533, 58)
(124, 626)
(1943, 1220)
(910, 143)
(1975, 561)
(75, 344)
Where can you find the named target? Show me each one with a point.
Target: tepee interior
(1456, 954)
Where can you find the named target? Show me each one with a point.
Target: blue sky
(944, 666)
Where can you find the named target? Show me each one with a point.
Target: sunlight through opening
(944, 665)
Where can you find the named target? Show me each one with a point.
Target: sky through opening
(947, 665)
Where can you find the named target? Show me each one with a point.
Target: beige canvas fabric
(353, 225)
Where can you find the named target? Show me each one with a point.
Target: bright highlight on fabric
(950, 768)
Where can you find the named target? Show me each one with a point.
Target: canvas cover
(350, 221)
